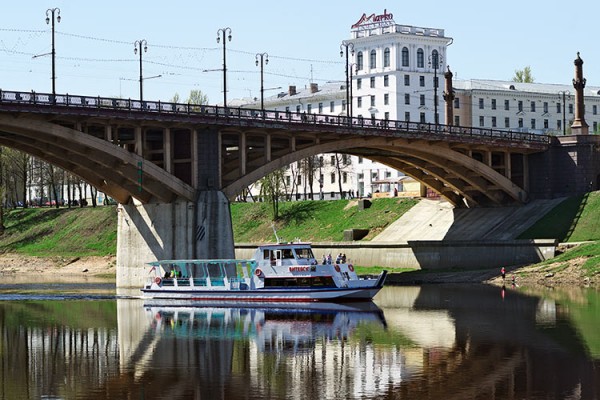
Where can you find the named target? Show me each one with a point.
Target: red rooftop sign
(374, 19)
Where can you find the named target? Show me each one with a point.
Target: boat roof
(286, 244)
(199, 261)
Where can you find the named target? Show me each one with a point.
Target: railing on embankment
(432, 254)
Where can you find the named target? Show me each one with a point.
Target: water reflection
(435, 342)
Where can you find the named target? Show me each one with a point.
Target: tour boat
(282, 272)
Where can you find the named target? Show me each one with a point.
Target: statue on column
(579, 126)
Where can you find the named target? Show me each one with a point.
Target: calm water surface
(78, 341)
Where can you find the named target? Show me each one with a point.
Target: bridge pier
(177, 230)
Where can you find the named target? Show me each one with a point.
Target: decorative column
(449, 97)
(579, 126)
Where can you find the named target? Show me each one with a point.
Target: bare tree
(341, 164)
(272, 188)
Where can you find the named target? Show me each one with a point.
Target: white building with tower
(396, 72)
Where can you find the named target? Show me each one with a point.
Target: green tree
(523, 75)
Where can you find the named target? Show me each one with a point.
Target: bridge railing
(381, 126)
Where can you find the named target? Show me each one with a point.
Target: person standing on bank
(503, 272)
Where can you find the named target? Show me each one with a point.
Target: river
(83, 341)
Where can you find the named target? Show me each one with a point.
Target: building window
(407, 116)
(545, 107)
(494, 122)
(420, 59)
(298, 109)
(493, 104)
(320, 108)
(344, 177)
(360, 161)
(372, 82)
(359, 61)
(373, 119)
(532, 123)
(570, 108)
(421, 81)
(558, 108)
(343, 105)
(594, 109)
(422, 118)
(595, 126)
(558, 124)
(481, 104)
(299, 181)
(386, 99)
(533, 106)
(520, 105)
(331, 106)
(456, 102)
(422, 100)
(386, 57)
(309, 108)
(288, 180)
(386, 80)
(406, 80)
(332, 160)
(359, 102)
(405, 56)
(406, 98)
(481, 121)
(372, 101)
(546, 124)
(506, 122)
(506, 105)
(520, 122)
(333, 177)
(373, 59)
(457, 120)
(386, 116)
(359, 84)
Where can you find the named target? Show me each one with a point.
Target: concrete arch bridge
(173, 167)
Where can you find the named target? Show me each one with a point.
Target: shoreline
(20, 268)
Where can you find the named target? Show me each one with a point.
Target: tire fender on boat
(351, 267)
(337, 268)
(157, 280)
(258, 272)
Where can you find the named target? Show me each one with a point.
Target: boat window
(266, 254)
(287, 253)
(214, 270)
(304, 253)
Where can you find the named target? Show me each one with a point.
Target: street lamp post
(52, 11)
(224, 31)
(434, 62)
(564, 94)
(140, 44)
(351, 67)
(264, 59)
(344, 49)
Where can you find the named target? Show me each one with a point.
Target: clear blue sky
(94, 43)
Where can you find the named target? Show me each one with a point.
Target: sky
(94, 43)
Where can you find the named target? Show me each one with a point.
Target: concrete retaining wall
(432, 254)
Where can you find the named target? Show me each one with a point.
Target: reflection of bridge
(182, 162)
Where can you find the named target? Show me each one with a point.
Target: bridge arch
(119, 173)
(461, 179)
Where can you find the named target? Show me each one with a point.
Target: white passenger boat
(282, 272)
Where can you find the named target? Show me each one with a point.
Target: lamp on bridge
(224, 31)
(434, 62)
(52, 11)
(264, 59)
(140, 43)
(344, 49)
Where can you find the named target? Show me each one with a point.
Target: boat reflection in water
(276, 327)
